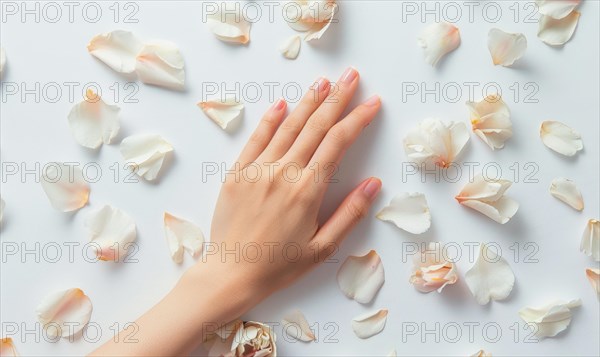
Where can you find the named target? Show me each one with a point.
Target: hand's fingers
(355, 207)
(323, 119)
(263, 133)
(291, 126)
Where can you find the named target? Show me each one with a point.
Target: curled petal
(558, 32)
(593, 276)
(566, 191)
(437, 40)
(487, 196)
(551, 319)
(369, 324)
(290, 47)
(560, 138)
(490, 120)
(161, 64)
(2, 60)
(316, 31)
(296, 326)
(408, 211)
(94, 122)
(117, 49)
(222, 112)
(431, 271)
(182, 235)
(229, 24)
(556, 9)
(65, 186)
(590, 241)
(505, 47)
(361, 277)
(145, 154)
(490, 277)
(7, 348)
(312, 17)
(64, 313)
(112, 232)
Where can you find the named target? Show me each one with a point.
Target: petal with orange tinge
(112, 232)
(550, 319)
(558, 32)
(369, 324)
(487, 197)
(556, 9)
(65, 186)
(228, 23)
(431, 271)
(408, 211)
(290, 47)
(560, 138)
(490, 120)
(117, 49)
(506, 48)
(361, 277)
(7, 348)
(64, 313)
(590, 241)
(437, 40)
(160, 63)
(145, 154)
(566, 191)
(593, 275)
(94, 122)
(222, 112)
(296, 326)
(182, 235)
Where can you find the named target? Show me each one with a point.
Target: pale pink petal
(560, 138)
(369, 324)
(558, 32)
(222, 112)
(434, 142)
(361, 277)
(296, 326)
(65, 186)
(590, 241)
(505, 47)
(229, 24)
(408, 211)
(64, 313)
(490, 277)
(566, 191)
(290, 47)
(112, 232)
(7, 348)
(145, 154)
(550, 319)
(437, 40)
(94, 122)
(117, 49)
(182, 235)
(490, 120)
(160, 63)
(556, 8)
(431, 271)
(593, 276)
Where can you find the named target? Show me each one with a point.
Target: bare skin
(271, 213)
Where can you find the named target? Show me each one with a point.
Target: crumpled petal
(590, 241)
(7, 348)
(490, 120)
(566, 191)
(2, 60)
(556, 9)
(361, 277)
(182, 235)
(2, 205)
(408, 211)
(117, 49)
(550, 319)
(505, 47)
(65, 186)
(487, 196)
(160, 63)
(593, 276)
(145, 154)
(433, 142)
(64, 313)
(369, 324)
(481, 353)
(222, 112)
(253, 339)
(112, 232)
(229, 24)
(437, 40)
(557, 32)
(313, 17)
(560, 138)
(290, 47)
(94, 122)
(490, 277)
(296, 326)
(431, 271)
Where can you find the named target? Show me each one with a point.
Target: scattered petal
(290, 47)
(558, 32)
(296, 326)
(431, 271)
(490, 120)
(590, 241)
(556, 9)
(550, 319)
(182, 234)
(117, 49)
(254, 339)
(433, 142)
(94, 122)
(487, 196)
(481, 353)
(490, 277)
(560, 138)
(408, 211)
(145, 154)
(7, 348)
(361, 277)
(593, 276)
(112, 232)
(505, 47)
(312, 17)
(437, 40)
(566, 191)
(160, 63)
(229, 24)
(222, 112)
(64, 313)
(2, 62)
(369, 324)
(65, 186)
(2, 205)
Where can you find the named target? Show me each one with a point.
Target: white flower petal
(369, 324)
(296, 326)
(361, 277)
(590, 241)
(505, 47)
(566, 191)
(254, 336)
(433, 142)
(229, 24)
(2, 205)
(316, 31)
(145, 154)
(182, 234)
(313, 17)
(550, 319)
(117, 49)
(490, 277)
(481, 353)
(7, 348)
(557, 32)
(437, 40)
(431, 271)
(487, 196)
(65, 186)
(290, 47)
(560, 138)
(593, 276)
(490, 120)
(408, 211)
(112, 232)
(556, 8)
(94, 122)
(64, 313)
(392, 353)
(2, 60)
(222, 112)
(160, 63)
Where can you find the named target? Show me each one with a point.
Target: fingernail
(349, 75)
(372, 188)
(373, 101)
(279, 104)
(322, 84)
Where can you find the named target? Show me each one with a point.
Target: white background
(373, 37)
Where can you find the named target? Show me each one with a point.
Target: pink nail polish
(349, 75)
(373, 101)
(372, 188)
(279, 104)
(323, 84)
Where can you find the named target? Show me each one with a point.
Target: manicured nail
(349, 75)
(373, 101)
(323, 84)
(279, 104)
(372, 188)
